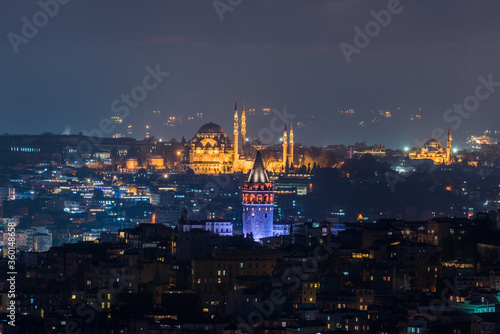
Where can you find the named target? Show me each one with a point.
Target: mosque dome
(211, 128)
(433, 145)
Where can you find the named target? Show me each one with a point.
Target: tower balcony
(258, 186)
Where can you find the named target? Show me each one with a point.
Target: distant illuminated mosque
(433, 150)
(211, 150)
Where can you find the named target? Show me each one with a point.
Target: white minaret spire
(449, 147)
(236, 134)
(285, 148)
(243, 128)
(290, 162)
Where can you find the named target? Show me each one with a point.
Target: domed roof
(211, 128)
(433, 144)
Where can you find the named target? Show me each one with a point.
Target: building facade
(433, 150)
(258, 202)
(212, 151)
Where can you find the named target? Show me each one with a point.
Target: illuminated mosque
(433, 150)
(211, 150)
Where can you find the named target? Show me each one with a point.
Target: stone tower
(258, 202)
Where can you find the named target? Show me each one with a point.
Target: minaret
(285, 148)
(243, 129)
(448, 147)
(290, 159)
(236, 135)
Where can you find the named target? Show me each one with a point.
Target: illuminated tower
(236, 135)
(258, 199)
(285, 148)
(448, 147)
(243, 128)
(290, 156)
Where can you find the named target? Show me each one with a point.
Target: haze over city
(272, 54)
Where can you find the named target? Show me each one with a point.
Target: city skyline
(250, 166)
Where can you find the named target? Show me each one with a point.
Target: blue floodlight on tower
(258, 202)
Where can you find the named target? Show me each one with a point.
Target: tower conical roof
(258, 173)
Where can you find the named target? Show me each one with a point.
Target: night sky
(270, 53)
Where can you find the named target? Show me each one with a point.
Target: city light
(242, 166)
